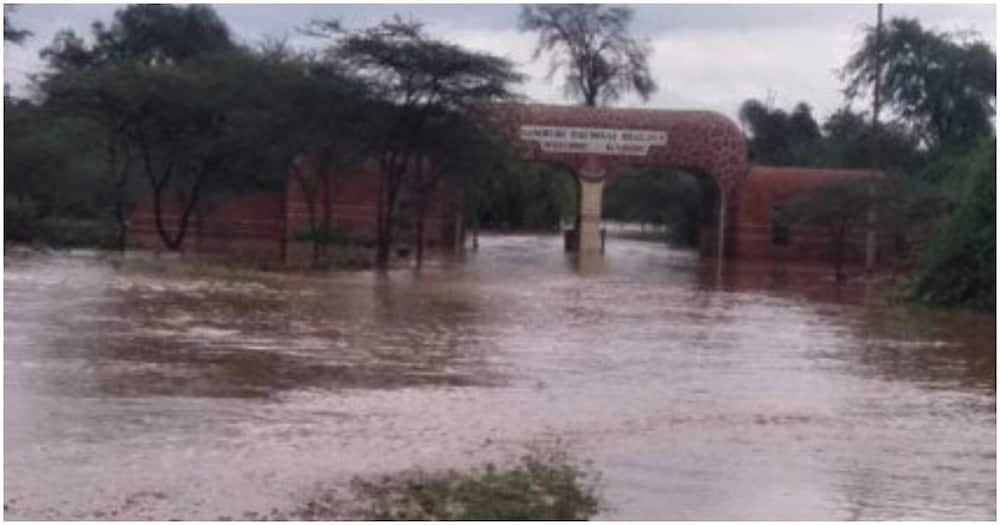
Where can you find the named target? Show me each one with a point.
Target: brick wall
(246, 227)
(262, 227)
(751, 233)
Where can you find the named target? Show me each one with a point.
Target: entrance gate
(595, 143)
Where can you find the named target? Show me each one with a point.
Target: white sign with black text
(594, 141)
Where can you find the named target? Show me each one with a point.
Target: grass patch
(541, 486)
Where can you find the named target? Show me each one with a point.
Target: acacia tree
(592, 45)
(105, 81)
(320, 125)
(414, 77)
(207, 129)
(455, 149)
(944, 88)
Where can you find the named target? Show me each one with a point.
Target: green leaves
(942, 87)
(406, 67)
(959, 268)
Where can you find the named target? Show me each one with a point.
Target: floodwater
(763, 394)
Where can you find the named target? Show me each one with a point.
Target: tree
(12, 33)
(780, 138)
(319, 126)
(53, 176)
(416, 78)
(837, 209)
(592, 45)
(657, 196)
(511, 193)
(942, 87)
(453, 149)
(959, 267)
(105, 81)
(847, 136)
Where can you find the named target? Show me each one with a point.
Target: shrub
(536, 488)
(541, 486)
(20, 219)
(324, 235)
(24, 224)
(959, 267)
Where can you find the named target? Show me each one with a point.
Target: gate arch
(606, 139)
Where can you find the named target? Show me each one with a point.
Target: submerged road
(769, 395)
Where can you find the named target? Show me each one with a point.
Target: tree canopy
(417, 79)
(591, 44)
(940, 85)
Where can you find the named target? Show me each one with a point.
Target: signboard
(594, 141)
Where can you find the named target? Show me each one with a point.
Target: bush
(541, 486)
(546, 488)
(23, 224)
(20, 220)
(77, 233)
(324, 235)
(959, 267)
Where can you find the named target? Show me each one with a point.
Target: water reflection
(768, 394)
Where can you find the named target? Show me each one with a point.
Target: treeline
(935, 141)
(164, 105)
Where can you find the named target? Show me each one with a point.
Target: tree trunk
(420, 234)
(388, 194)
(120, 187)
(381, 237)
(839, 245)
(176, 243)
(309, 197)
(327, 213)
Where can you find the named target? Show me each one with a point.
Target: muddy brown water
(763, 394)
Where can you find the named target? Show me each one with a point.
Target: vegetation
(660, 197)
(162, 106)
(591, 43)
(11, 33)
(959, 268)
(415, 80)
(541, 486)
(939, 90)
(838, 210)
(941, 86)
(513, 195)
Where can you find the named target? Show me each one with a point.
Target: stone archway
(594, 142)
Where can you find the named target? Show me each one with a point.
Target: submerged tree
(320, 125)
(592, 45)
(455, 149)
(110, 82)
(836, 209)
(416, 78)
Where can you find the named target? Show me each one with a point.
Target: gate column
(589, 229)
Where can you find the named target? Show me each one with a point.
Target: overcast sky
(705, 56)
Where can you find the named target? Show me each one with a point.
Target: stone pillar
(589, 215)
